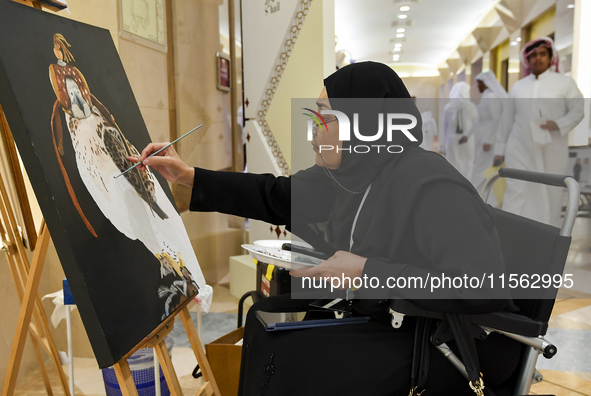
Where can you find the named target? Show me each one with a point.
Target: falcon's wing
(119, 149)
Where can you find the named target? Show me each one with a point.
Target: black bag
(271, 282)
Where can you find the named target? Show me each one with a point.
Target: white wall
(303, 63)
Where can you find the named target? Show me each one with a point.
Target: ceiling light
(518, 39)
(400, 35)
(397, 49)
(402, 16)
(396, 58)
(570, 6)
(514, 43)
(404, 8)
(397, 45)
(400, 30)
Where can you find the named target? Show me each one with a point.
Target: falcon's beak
(79, 107)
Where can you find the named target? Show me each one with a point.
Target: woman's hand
(342, 264)
(167, 163)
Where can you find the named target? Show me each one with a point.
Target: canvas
(121, 241)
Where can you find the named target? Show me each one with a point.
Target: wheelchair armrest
(505, 321)
(509, 322)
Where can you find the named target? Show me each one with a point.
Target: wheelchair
(522, 240)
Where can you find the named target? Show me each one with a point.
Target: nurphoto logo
(389, 119)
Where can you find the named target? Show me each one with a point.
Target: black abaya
(372, 359)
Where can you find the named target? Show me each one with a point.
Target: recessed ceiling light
(397, 49)
(518, 39)
(400, 30)
(396, 58)
(402, 16)
(404, 8)
(400, 35)
(397, 45)
(570, 6)
(514, 43)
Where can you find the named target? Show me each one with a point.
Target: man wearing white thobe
(458, 117)
(429, 131)
(484, 132)
(585, 173)
(543, 108)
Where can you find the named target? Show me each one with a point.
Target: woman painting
(397, 214)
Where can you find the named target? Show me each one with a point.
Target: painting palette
(281, 258)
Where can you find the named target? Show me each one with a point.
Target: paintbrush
(163, 148)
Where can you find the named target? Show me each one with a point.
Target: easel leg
(54, 355)
(167, 368)
(20, 292)
(42, 366)
(70, 347)
(199, 352)
(125, 379)
(24, 318)
(157, 373)
(36, 319)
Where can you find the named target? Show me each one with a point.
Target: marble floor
(567, 374)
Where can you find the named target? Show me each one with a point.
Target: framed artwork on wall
(143, 22)
(223, 72)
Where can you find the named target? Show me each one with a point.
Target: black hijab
(368, 89)
(371, 90)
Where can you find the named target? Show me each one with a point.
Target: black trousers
(368, 359)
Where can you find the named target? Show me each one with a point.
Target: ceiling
(367, 29)
(433, 29)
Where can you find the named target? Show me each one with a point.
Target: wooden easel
(26, 276)
(156, 340)
(32, 318)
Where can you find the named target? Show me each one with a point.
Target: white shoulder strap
(356, 216)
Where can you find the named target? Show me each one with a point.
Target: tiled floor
(567, 374)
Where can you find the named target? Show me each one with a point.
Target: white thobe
(551, 96)
(461, 156)
(484, 131)
(429, 133)
(585, 175)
